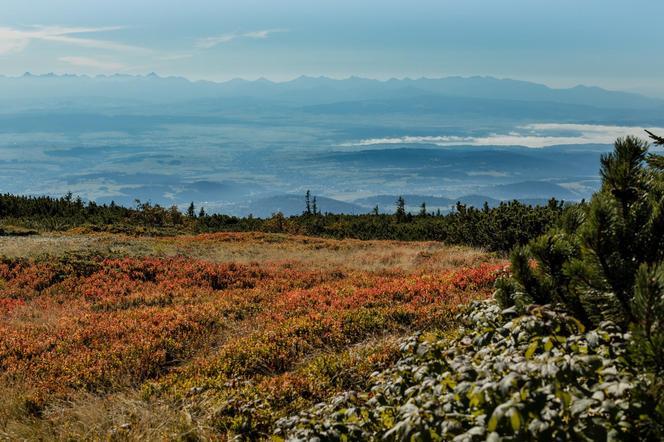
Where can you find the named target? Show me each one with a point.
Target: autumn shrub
(232, 346)
(540, 376)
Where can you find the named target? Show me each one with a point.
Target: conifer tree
(423, 209)
(656, 161)
(401, 209)
(191, 210)
(307, 202)
(593, 269)
(314, 207)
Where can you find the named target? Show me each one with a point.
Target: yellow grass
(315, 253)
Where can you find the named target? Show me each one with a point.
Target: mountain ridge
(313, 90)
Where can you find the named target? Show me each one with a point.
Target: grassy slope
(206, 336)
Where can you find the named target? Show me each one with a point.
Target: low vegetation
(143, 346)
(540, 376)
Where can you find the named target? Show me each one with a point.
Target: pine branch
(657, 139)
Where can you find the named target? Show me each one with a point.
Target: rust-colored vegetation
(194, 343)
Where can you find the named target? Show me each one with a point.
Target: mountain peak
(310, 90)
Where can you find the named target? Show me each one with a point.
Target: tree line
(495, 228)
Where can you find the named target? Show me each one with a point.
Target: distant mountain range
(295, 205)
(307, 90)
(245, 147)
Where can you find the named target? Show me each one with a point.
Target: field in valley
(205, 337)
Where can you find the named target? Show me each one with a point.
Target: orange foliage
(119, 322)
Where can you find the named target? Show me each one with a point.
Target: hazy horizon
(279, 80)
(256, 147)
(610, 44)
(478, 100)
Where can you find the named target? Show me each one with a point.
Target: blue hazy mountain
(530, 190)
(389, 201)
(127, 89)
(295, 205)
(243, 147)
(526, 109)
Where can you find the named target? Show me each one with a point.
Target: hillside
(568, 348)
(208, 336)
(273, 336)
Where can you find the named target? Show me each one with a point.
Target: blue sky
(615, 44)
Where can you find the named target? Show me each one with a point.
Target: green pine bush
(609, 266)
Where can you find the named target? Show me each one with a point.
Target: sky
(562, 43)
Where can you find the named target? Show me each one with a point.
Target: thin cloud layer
(532, 135)
(13, 40)
(211, 42)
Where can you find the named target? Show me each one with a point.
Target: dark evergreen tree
(307, 202)
(201, 213)
(401, 209)
(593, 269)
(191, 210)
(656, 161)
(175, 215)
(423, 209)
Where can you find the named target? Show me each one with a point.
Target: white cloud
(210, 42)
(14, 40)
(532, 135)
(93, 63)
(174, 57)
(261, 34)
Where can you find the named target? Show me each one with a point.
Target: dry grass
(131, 416)
(124, 416)
(314, 253)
